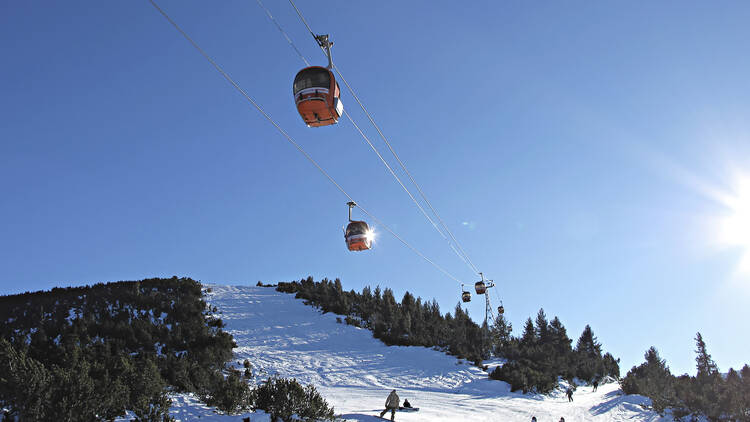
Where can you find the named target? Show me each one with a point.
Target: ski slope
(355, 372)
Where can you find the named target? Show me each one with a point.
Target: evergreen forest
(544, 352)
(534, 361)
(91, 353)
(717, 396)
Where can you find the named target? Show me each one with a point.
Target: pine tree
(24, 383)
(529, 337)
(589, 355)
(542, 327)
(708, 383)
(559, 337)
(561, 349)
(588, 345)
(500, 334)
(731, 394)
(706, 366)
(611, 366)
(652, 379)
(744, 393)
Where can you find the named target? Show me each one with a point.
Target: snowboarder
(406, 403)
(596, 384)
(569, 392)
(391, 403)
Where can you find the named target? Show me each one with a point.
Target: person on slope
(569, 392)
(596, 384)
(407, 404)
(533, 419)
(391, 403)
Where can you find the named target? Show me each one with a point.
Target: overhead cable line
(403, 166)
(366, 139)
(291, 140)
(289, 40)
(385, 163)
(464, 256)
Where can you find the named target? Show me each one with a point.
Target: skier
(391, 403)
(569, 392)
(596, 384)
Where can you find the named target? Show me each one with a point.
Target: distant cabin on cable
(480, 287)
(465, 294)
(357, 234)
(317, 96)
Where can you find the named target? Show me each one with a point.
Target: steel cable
(278, 26)
(366, 139)
(289, 138)
(462, 254)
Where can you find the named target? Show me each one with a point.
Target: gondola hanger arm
(326, 45)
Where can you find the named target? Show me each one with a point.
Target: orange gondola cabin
(317, 96)
(357, 234)
(358, 237)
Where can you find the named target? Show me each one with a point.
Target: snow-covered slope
(355, 372)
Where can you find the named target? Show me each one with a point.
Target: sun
(734, 226)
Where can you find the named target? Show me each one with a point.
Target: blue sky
(589, 157)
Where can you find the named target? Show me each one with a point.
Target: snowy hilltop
(355, 372)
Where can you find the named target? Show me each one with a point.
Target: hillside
(91, 352)
(355, 372)
(81, 335)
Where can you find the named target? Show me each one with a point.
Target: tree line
(534, 361)
(718, 397)
(410, 322)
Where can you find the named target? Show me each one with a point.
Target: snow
(72, 314)
(355, 372)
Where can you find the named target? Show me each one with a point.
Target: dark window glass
(312, 78)
(356, 228)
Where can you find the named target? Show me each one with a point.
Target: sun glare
(734, 229)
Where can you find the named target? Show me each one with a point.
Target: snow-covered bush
(286, 399)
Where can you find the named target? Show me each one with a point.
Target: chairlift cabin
(357, 234)
(500, 310)
(480, 287)
(317, 96)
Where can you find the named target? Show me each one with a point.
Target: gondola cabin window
(312, 78)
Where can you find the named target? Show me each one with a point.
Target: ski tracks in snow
(355, 372)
